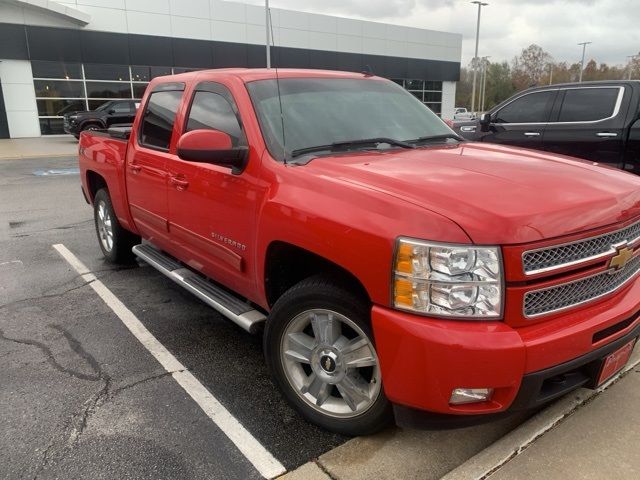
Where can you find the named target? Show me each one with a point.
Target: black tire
(91, 126)
(320, 292)
(119, 249)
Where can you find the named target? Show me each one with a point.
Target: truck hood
(498, 195)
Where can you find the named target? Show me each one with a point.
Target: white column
(448, 99)
(19, 98)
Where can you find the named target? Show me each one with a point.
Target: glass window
(160, 72)
(106, 72)
(414, 84)
(42, 69)
(212, 111)
(433, 97)
(51, 126)
(59, 88)
(433, 85)
(588, 104)
(158, 119)
(321, 111)
(418, 95)
(144, 74)
(435, 107)
(122, 107)
(399, 81)
(531, 108)
(59, 107)
(108, 90)
(138, 89)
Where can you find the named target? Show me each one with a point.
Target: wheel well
(95, 182)
(87, 123)
(288, 264)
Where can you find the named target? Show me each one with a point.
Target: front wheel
(320, 348)
(115, 242)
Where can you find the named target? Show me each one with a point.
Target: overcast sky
(507, 25)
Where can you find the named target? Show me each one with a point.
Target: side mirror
(212, 146)
(485, 121)
(111, 111)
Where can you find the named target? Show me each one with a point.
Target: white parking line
(253, 450)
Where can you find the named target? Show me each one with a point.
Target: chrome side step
(220, 300)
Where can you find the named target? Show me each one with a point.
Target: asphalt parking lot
(82, 398)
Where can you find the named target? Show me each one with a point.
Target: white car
(462, 113)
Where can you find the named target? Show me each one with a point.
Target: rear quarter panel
(102, 155)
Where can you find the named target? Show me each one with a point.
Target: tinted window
(56, 70)
(212, 111)
(122, 107)
(158, 119)
(108, 90)
(532, 108)
(586, 104)
(58, 88)
(106, 72)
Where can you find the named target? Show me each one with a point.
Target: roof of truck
(252, 74)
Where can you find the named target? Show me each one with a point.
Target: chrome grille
(551, 258)
(567, 295)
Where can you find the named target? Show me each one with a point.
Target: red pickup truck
(395, 270)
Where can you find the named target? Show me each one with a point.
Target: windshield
(324, 111)
(104, 106)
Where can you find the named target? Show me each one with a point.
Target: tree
(530, 67)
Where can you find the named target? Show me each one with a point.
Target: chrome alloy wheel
(105, 228)
(331, 363)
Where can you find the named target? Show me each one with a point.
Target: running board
(220, 300)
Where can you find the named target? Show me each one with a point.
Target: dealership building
(57, 57)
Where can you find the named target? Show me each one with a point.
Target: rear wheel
(115, 242)
(91, 127)
(320, 348)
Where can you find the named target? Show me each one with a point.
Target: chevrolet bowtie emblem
(623, 255)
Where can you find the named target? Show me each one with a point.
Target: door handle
(606, 134)
(179, 183)
(531, 134)
(135, 168)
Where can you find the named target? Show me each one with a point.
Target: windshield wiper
(346, 145)
(435, 138)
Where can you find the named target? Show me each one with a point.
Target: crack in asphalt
(63, 443)
(51, 358)
(61, 227)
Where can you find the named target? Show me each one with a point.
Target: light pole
(584, 48)
(267, 26)
(630, 59)
(475, 57)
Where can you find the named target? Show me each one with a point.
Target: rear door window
(159, 117)
(588, 104)
(531, 108)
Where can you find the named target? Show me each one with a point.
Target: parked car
(598, 121)
(113, 112)
(461, 113)
(397, 270)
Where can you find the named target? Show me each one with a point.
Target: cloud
(507, 26)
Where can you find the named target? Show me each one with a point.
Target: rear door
(589, 123)
(147, 162)
(522, 121)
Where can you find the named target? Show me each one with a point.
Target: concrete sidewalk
(600, 440)
(47, 146)
(585, 435)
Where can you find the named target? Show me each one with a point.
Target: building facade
(57, 57)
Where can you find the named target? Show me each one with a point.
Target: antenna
(284, 148)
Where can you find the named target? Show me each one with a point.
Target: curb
(40, 155)
(495, 456)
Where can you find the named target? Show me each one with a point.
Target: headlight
(448, 280)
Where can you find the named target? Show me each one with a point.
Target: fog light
(470, 395)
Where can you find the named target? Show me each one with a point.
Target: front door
(147, 164)
(521, 122)
(211, 210)
(121, 112)
(589, 124)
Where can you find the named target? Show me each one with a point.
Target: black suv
(110, 113)
(598, 121)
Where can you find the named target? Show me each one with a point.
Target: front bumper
(424, 359)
